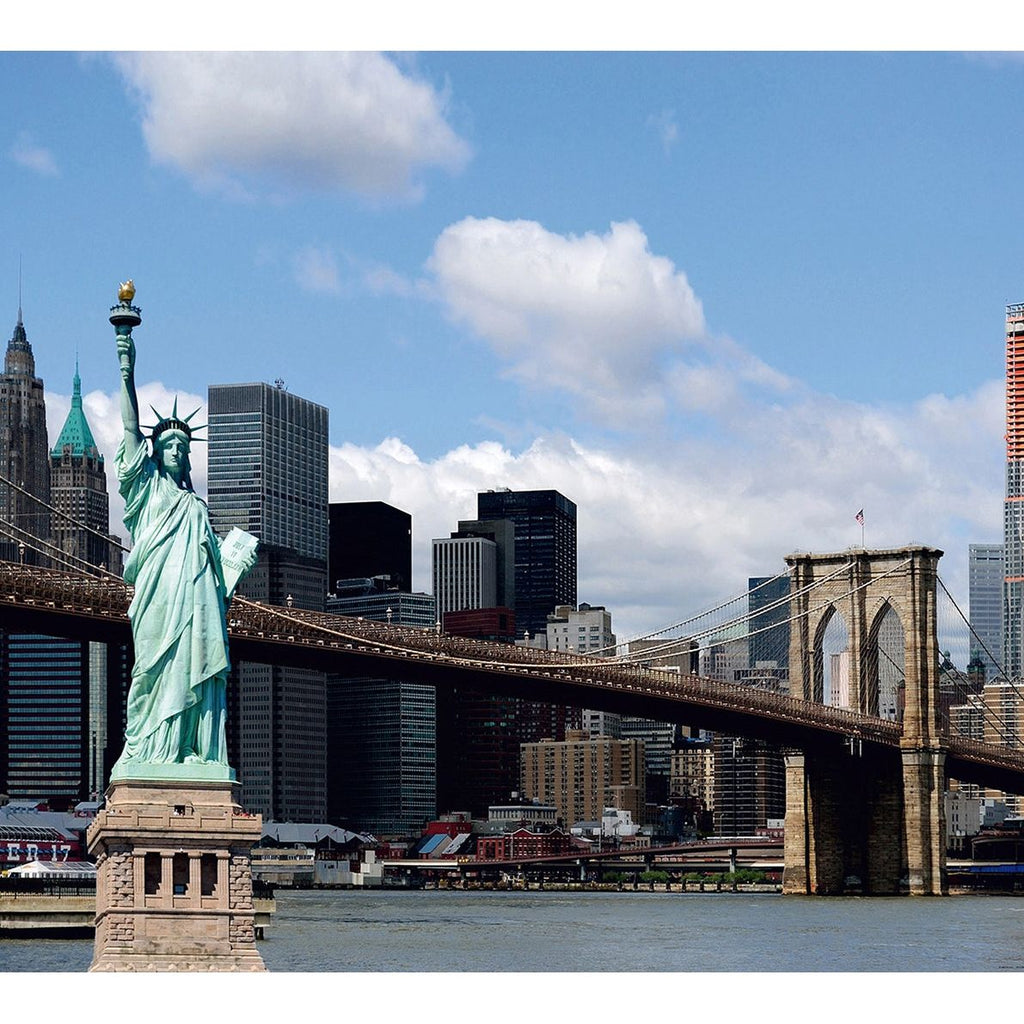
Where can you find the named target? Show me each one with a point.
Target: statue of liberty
(177, 700)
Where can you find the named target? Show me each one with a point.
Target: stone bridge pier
(859, 818)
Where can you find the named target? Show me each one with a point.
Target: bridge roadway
(64, 604)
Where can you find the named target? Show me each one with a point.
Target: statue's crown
(174, 422)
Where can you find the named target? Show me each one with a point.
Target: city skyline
(804, 249)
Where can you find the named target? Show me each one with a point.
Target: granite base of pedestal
(174, 882)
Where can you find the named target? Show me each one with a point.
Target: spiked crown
(174, 422)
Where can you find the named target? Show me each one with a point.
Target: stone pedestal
(174, 885)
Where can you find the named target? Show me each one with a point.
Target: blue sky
(720, 300)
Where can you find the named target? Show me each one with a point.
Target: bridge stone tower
(872, 815)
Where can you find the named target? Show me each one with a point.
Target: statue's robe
(177, 700)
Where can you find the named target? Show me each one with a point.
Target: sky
(722, 300)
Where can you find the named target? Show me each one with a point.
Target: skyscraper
(268, 476)
(1013, 506)
(545, 551)
(382, 752)
(545, 577)
(369, 538)
(465, 573)
(78, 489)
(23, 450)
(985, 589)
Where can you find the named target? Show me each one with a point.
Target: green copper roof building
(76, 432)
(78, 488)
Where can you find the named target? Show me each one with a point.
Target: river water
(435, 931)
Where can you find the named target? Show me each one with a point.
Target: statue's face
(172, 453)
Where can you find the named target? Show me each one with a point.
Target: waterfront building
(23, 450)
(658, 739)
(525, 843)
(502, 533)
(582, 775)
(891, 651)
(602, 723)
(750, 775)
(985, 589)
(268, 476)
(509, 816)
(839, 679)
(369, 538)
(381, 733)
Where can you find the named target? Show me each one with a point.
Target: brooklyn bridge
(864, 793)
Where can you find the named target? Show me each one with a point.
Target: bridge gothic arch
(898, 805)
(863, 586)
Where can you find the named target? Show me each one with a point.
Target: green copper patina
(177, 701)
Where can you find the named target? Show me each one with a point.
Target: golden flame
(126, 291)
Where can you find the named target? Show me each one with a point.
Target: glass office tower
(268, 476)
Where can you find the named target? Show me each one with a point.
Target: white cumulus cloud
(595, 315)
(235, 121)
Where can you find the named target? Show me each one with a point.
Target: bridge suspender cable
(704, 614)
(64, 515)
(720, 627)
(701, 634)
(52, 552)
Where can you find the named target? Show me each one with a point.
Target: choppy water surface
(551, 931)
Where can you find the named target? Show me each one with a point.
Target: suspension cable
(108, 538)
(701, 615)
(645, 655)
(55, 553)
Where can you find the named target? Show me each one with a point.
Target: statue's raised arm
(129, 398)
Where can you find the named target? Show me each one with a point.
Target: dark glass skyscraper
(545, 551)
(268, 476)
(369, 538)
(545, 577)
